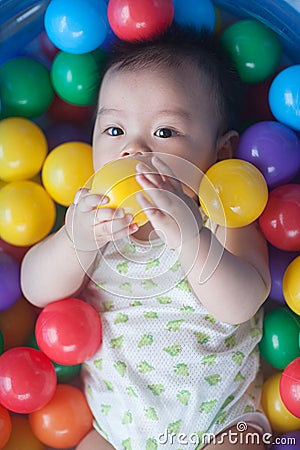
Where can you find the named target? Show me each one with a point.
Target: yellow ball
(233, 193)
(281, 420)
(291, 285)
(27, 213)
(66, 169)
(23, 148)
(117, 181)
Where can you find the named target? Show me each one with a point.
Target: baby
(179, 355)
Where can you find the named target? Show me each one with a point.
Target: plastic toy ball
(287, 441)
(27, 213)
(66, 169)
(254, 48)
(79, 26)
(22, 437)
(10, 289)
(76, 78)
(284, 97)
(233, 193)
(290, 387)
(131, 20)
(69, 331)
(27, 380)
(23, 148)
(17, 323)
(199, 14)
(291, 285)
(61, 111)
(278, 263)
(273, 148)
(26, 88)
(5, 426)
(65, 420)
(117, 181)
(280, 342)
(280, 221)
(62, 132)
(281, 420)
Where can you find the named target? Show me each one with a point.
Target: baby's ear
(226, 145)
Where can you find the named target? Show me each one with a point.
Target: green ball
(66, 373)
(76, 78)
(280, 342)
(25, 88)
(1, 342)
(254, 48)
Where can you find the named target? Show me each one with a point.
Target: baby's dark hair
(179, 46)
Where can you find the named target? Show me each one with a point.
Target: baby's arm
(231, 281)
(56, 267)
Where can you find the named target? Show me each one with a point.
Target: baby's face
(167, 111)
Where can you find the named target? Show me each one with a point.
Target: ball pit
(33, 98)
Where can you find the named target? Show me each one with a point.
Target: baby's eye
(114, 131)
(164, 133)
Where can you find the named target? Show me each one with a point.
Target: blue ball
(196, 13)
(284, 95)
(77, 26)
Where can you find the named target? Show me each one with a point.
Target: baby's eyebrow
(176, 113)
(104, 110)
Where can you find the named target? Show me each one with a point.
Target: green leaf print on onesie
(174, 325)
(238, 357)
(123, 267)
(151, 315)
(150, 413)
(105, 409)
(174, 427)
(148, 284)
(164, 300)
(144, 367)
(213, 380)
(209, 359)
(156, 389)
(151, 444)
(186, 309)
(127, 444)
(146, 339)
(230, 341)
(120, 367)
(152, 263)
(173, 350)
(183, 397)
(127, 418)
(117, 342)
(202, 338)
(108, 305)
(182, 370)
(183, 285)
(126, 287)
(121, 318)
(208, 406)
(98, 363)
(131, 392)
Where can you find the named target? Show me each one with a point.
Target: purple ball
(278, 262)
(10, 288)
(274, 149)
(287, 441)
(60, 133)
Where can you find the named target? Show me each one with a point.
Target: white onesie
(167, 371)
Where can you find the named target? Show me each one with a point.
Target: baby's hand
(90, 227)
(174, 215)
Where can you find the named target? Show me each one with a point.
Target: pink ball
(290, 387)
(69, 331)
(143, 19)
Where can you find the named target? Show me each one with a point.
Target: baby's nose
(136, 148)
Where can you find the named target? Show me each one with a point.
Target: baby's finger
(110, 227)
(105, 214)
(166, 172)
(89, 202)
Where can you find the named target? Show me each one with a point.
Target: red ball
(69, 331)
(27, 380)
(290, 387)
(61, 111)
(280, 221)
(143, 19)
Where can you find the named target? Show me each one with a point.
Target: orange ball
(17, 323)
(5, 426)
(65, 420)
(22, 437)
